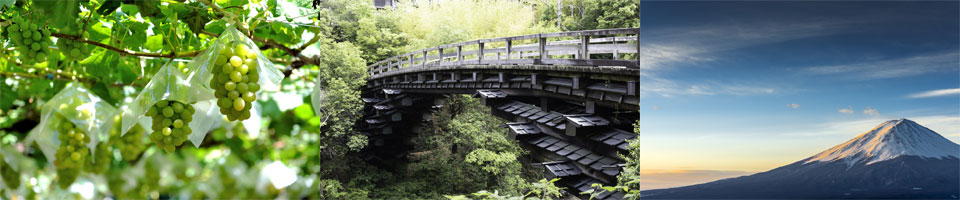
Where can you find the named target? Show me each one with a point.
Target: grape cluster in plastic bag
(235, 80)
(170, 123)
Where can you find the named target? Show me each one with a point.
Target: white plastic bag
(203, 66)
(317, 97)
(79, 106)
(169, 84)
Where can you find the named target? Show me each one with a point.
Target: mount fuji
(898, 159)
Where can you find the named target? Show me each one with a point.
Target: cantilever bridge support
(566, 100)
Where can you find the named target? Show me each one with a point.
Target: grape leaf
(148, 8)
(109, 6)
(101, 64)
(154, 43)
(61, 14)
(8, 95)
(196, 20)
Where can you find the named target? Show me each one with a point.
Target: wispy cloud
(946, 125)
(870, 111)
(847, 110)
(935, 93)
(793, 105)
(892, 68)
(668, 47)
(669, 88)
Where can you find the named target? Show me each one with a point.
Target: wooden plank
(591, 62)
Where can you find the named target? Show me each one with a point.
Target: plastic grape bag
(10, 168)
(78, 106)
(169, 83)
(317, 97)
(207, 115)
(213, 64)
(253, 124)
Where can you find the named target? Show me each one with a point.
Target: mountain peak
(889, 140)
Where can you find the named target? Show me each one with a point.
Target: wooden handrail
(585, 43)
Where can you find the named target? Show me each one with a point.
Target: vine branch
(124, 51)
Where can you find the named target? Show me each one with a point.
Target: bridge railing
(606, 47)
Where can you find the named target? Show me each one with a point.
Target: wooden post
(509, 50)
(638, 47)
(480, 53)
(584, 42)
(411, 60)
(439, 56)
(459, 55)
(424, 63)
(543, 48)
(616, 51)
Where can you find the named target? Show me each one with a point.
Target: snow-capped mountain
(897, 159)
(889, 140)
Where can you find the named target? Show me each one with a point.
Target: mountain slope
(897, 159)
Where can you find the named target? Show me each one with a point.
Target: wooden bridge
(570, 97)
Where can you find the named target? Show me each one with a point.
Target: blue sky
(741, 87)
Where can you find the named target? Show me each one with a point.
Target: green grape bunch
(170, 123)
(73, 140)
(30, 38)
(130, 145)
(72, 49)
(234, 81)
(66, 176)
(73, 151)
(100, 161)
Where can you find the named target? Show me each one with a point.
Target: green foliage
(344, 73)
(492, 162)
(545, 189)
(446, 22)
(590, 14)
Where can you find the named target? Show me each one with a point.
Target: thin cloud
(667, 47)
(871, 111)
(793, 105)
(892, 68)
(946, 125)
(935, 93)
(669, 88)
(848, 110)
